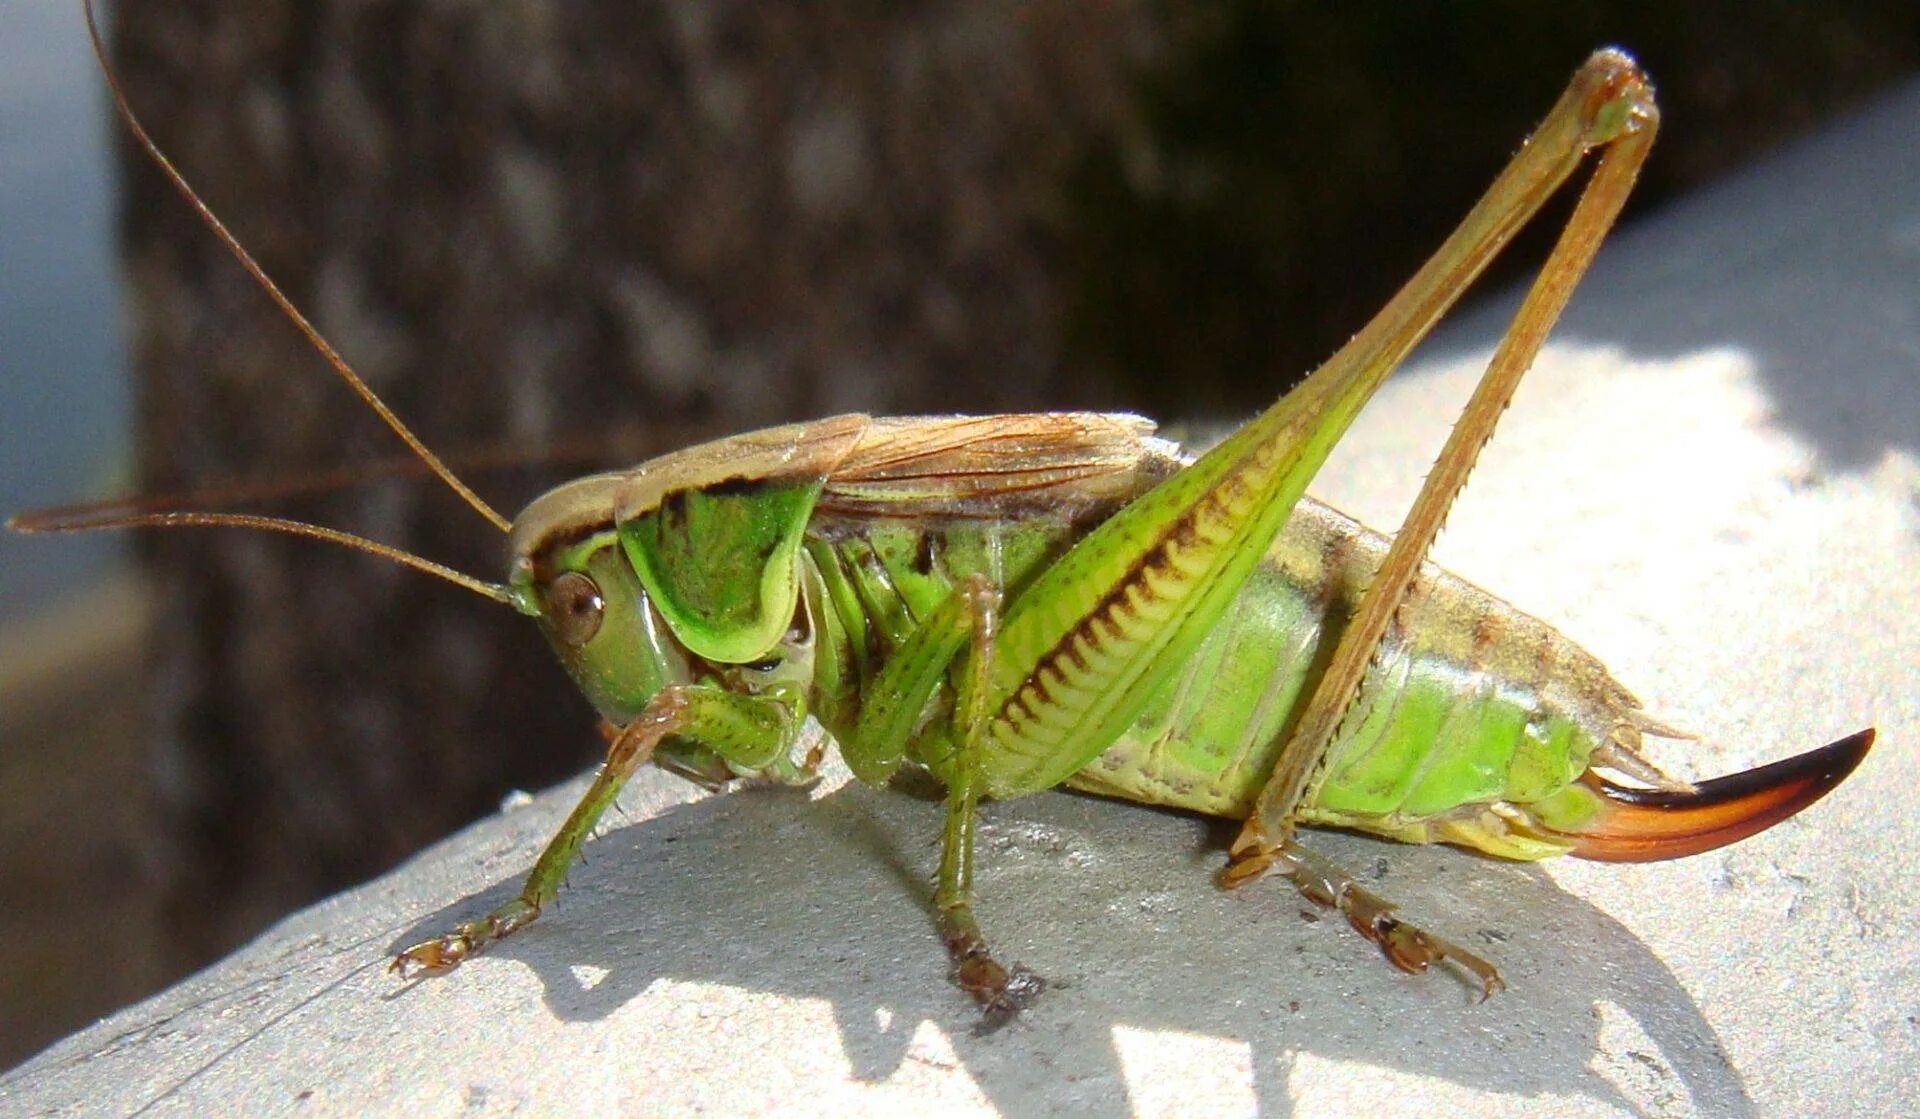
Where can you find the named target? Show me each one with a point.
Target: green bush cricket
(1012, 603)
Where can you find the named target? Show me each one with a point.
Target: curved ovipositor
(1646, 825)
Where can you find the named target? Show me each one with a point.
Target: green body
(1476, 715)
(1016, 603)
(1474, 722)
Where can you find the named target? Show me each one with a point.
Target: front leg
(746, 730)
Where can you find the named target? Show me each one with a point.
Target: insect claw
(434, 957)
(1018, 989)
(1002, 992)
(1414, 950)
(1242, 869)
(1642, 825)
(1252, 857)
(1407, 947)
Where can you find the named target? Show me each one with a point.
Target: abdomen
(1473, 721)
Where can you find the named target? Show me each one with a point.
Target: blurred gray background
(609, 229)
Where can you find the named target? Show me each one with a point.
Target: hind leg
(1409, 947)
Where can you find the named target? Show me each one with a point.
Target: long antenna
(490, 456)
(71, 519)
(273, 291)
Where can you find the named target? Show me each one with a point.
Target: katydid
(1012, 603)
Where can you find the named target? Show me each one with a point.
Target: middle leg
(1001, 992)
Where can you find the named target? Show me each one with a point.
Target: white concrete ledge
(1713, 481)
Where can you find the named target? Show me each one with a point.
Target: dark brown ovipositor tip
(1645, 825)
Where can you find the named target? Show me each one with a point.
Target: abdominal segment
(1473, 725)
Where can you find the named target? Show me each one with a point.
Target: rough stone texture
(1711, 481)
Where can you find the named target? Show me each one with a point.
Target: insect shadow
(826, 900)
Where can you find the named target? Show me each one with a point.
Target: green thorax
(871, 581)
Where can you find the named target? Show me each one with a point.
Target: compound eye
(575, 607)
